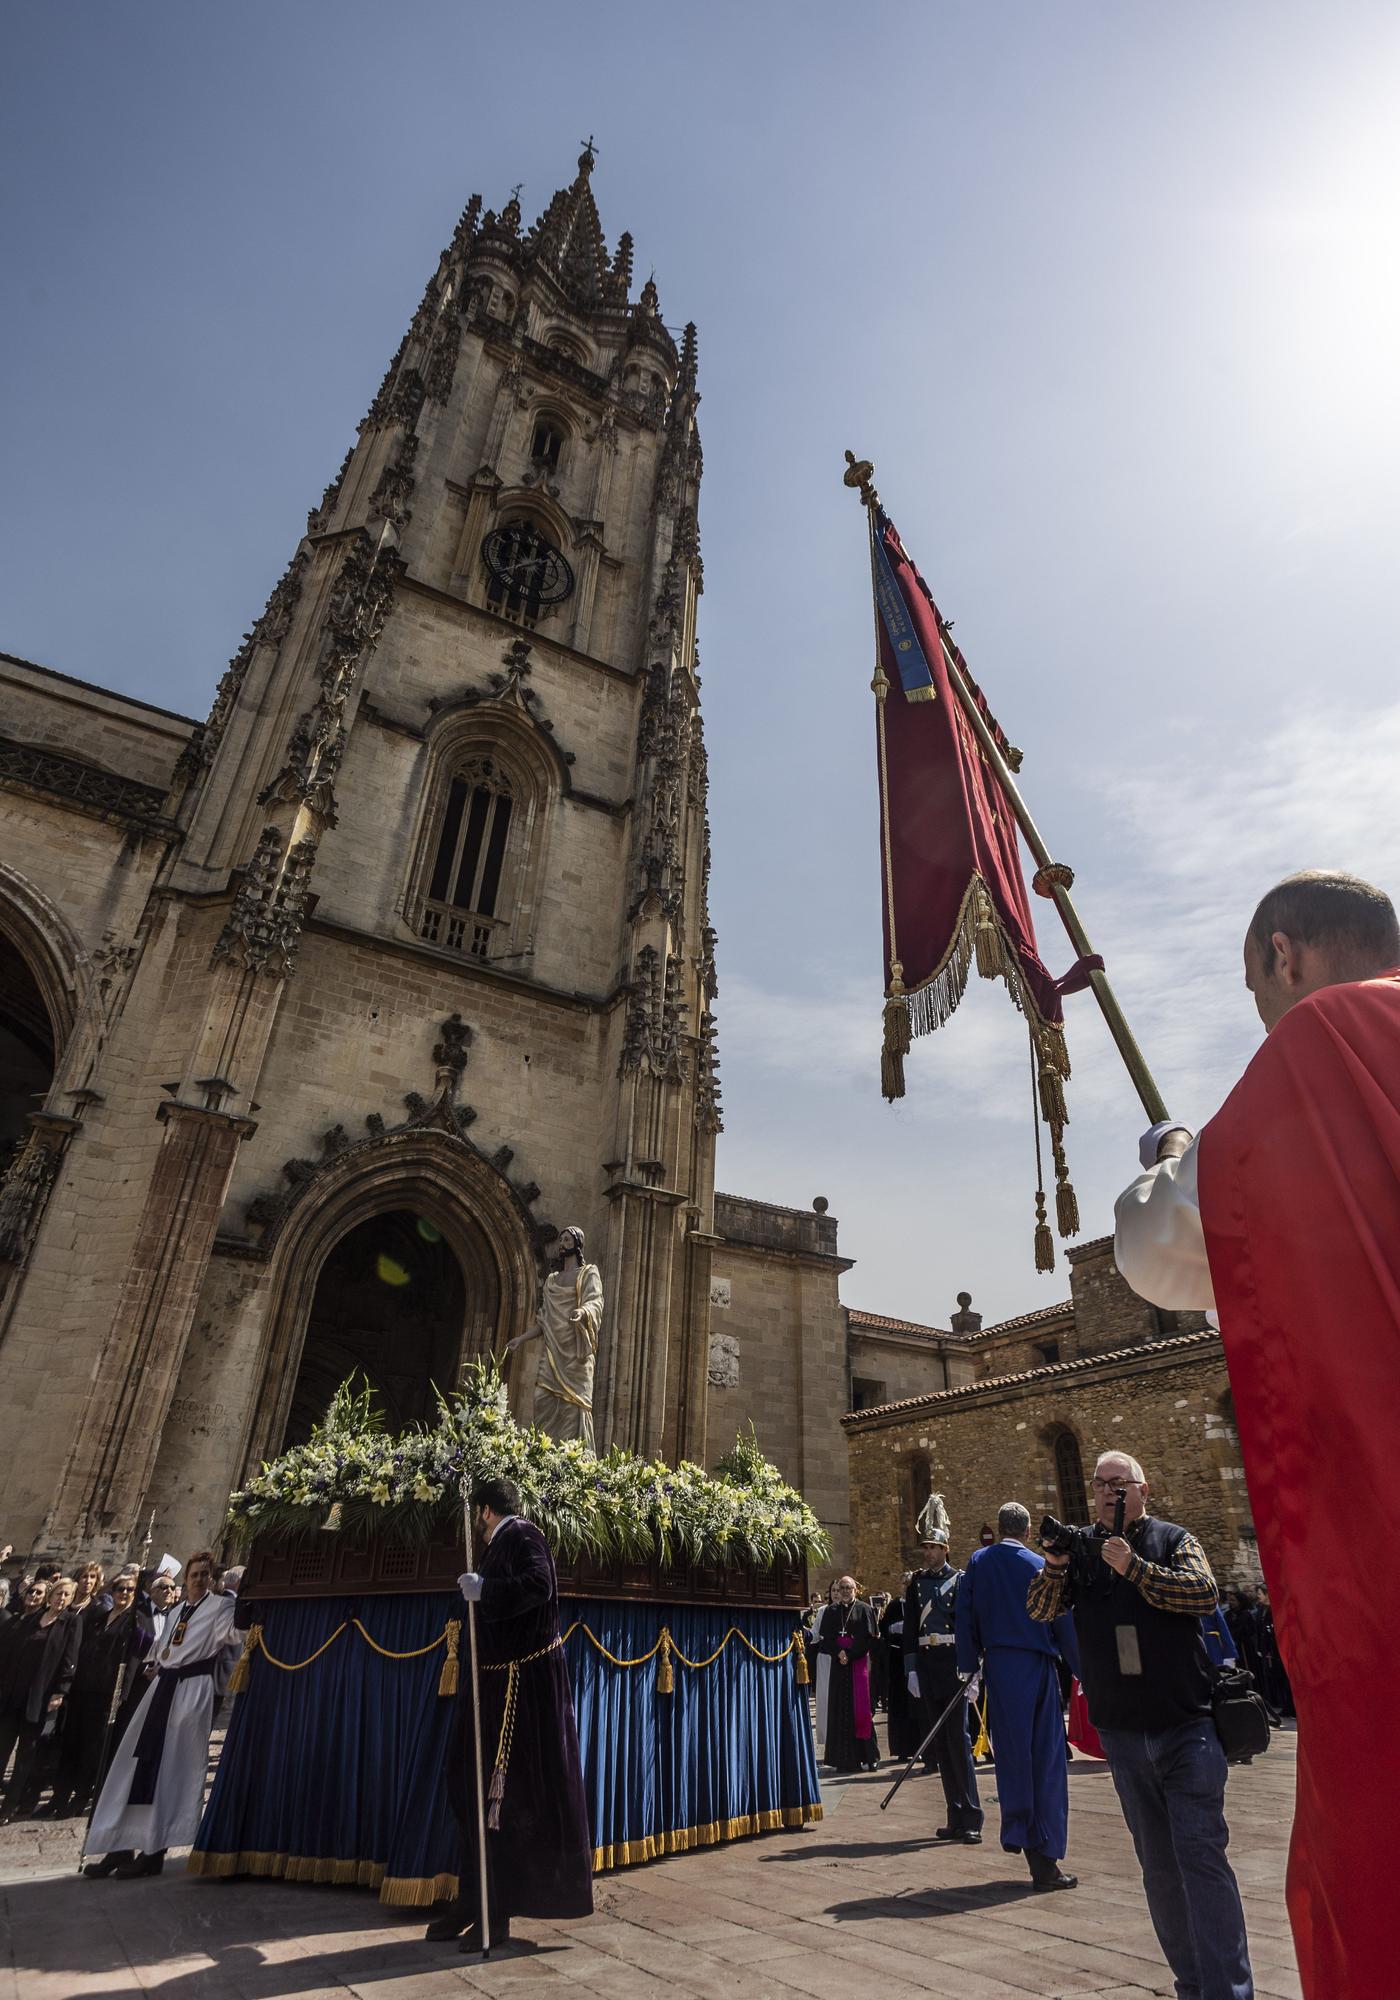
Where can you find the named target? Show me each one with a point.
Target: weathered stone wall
(1107, 1313)
(1169, 1406)
(778, 1270)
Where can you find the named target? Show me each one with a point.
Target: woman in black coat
(113, 1646)
(39, 1661)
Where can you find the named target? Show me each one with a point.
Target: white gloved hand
(911, 1681)
(1153, 1137)
(470, 1586)
(973, 1688)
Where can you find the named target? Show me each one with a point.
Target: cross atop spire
(589, 154)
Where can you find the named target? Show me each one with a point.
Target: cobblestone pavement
(863, 1903)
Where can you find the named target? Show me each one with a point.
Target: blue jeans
(1171, 1787)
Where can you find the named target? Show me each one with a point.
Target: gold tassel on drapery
(238, 1679)
(665, 1676)
(897, 1037)
(447, 1679)
(799, 1659)
(988, 945)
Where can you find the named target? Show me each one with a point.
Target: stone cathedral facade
(338, 1004)
(319, 1018)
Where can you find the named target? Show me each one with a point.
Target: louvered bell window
(467, 890)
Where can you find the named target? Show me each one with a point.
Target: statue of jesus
(569, 1316)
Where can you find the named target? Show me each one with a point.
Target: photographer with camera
(1138, 1588)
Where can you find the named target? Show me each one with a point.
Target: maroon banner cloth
(947, 828)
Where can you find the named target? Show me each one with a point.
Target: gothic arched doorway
(389, 1304)
(26, 1049)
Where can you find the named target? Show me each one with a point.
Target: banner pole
(482, 1875)
(859, 473)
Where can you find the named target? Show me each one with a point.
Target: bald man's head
(1316, 929)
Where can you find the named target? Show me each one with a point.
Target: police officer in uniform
(931, 1670)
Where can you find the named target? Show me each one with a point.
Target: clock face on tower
(524, 567)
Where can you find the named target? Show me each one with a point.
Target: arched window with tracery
(468, 890)
(547, 443)
(1069, 1479)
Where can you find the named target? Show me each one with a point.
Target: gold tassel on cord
(665, 1678)
(1066, 1201)
(1066, 1206)
(991, 959)
(799, 1661)
(1052, 1096)
(897, 1036)
(1044, 1241)
(447, 1679)
(238, 1679)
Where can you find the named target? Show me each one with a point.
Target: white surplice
(172, 1817)
(1158, 1243)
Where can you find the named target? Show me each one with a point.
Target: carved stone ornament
(265, 919)
(653, 1029)
(83, 785)
(439, 1113)
(354, 619)
(510, 687)
(25, 1189)
(724, 1361)
(270, 630)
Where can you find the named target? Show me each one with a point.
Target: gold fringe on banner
(238, 1679)
(447, 1679)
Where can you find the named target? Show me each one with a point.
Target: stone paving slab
(865, 1903)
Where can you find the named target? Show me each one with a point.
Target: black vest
(1142, 1668)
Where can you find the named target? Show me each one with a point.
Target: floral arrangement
(353, 1475)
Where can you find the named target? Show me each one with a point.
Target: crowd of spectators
(74, 1648)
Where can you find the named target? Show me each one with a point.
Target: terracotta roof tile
(1178, 1343)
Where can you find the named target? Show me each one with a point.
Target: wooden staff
(859, 473)
(481, 1873)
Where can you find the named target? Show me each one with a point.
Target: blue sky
(1109, 295)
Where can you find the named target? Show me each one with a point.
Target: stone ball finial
(821, 1204)
(964, 1300)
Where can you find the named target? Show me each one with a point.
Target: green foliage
(614, 1508)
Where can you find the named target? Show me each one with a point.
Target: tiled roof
(1035, 1318)
(1179, 1343)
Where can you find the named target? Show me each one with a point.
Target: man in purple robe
(539, 1850)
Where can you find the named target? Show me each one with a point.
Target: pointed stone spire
(466, 226)
(620, 277)
(650, 301)
(568, 238)
(685, 378)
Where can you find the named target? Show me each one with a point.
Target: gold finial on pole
(861, 473)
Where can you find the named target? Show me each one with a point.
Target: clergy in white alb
(154, 1794)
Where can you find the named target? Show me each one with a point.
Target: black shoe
(1059, 1880)
(447, 1926)
(109, 1864)
(501, 1939)
(959, 1836)
(140, 1864)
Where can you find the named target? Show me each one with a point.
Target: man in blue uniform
(931, 1670)
(1017, 1659)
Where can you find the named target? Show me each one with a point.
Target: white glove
(973, 1688)
(911, 1681)
(470, 1586)
(1153, 1137)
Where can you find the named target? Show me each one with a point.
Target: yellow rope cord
(295, 1666)
(415, 1654)
(665, 1643)
(667, 1639)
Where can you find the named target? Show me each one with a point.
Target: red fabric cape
(1299, 1181)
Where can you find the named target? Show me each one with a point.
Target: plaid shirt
(1184, 1584)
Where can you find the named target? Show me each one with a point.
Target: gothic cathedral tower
(423, 966)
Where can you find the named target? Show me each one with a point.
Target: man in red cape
(1284, 1215)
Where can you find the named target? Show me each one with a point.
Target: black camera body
(1081, 1545)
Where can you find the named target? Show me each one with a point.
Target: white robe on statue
(1159, 1245)
(564, 1386)
(172, 1818)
